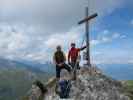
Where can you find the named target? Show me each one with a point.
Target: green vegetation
(129, 88)
(17, 82)
(130, 84)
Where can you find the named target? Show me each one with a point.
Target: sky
(31, 29)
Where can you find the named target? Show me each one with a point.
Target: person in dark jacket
(59, 60)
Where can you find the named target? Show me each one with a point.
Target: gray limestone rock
(91, 84)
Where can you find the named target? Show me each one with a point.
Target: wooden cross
(86, 20)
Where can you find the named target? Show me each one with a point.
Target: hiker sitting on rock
(59, 60)
(73, 55)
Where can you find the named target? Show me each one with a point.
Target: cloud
(16, 43)
(112, 56)
(105, 7)
(116, 35)
(53, 16)
(123, 36)
(105, 32)
(95, 42)
(24, 42)
(106, 37)
(29, 29)
(130, 61)
(64, 39)
(131, 22)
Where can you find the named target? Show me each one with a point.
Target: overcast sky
(31, 29)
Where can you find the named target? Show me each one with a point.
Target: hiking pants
(59, 68)
(75, 66)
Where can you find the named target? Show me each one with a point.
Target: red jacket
(73, 54)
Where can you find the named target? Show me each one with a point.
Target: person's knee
(68, 68)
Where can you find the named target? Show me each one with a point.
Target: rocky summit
(91, 84)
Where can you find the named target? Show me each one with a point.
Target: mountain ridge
(16, 78)
(91, 84)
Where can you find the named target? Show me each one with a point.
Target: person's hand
(69, 63)
(60, 64)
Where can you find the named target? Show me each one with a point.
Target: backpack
(64, 86)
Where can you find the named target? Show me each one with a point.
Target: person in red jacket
(74, 54)
(73, 58)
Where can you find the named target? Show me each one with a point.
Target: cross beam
(86, 20)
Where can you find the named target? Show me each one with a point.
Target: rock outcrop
(91, 84)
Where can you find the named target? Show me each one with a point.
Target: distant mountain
(16, 78)
(118, 71)
(46, 67)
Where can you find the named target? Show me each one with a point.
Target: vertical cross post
(86, 21)
(87, 38)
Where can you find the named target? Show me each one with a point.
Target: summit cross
(86, 21)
